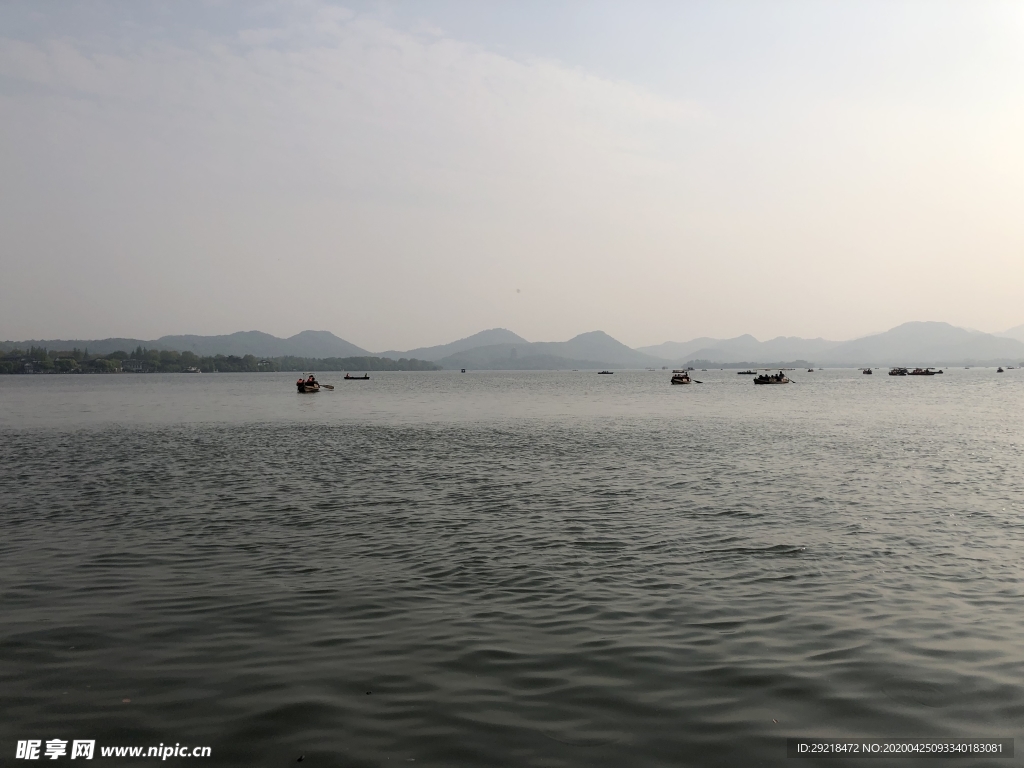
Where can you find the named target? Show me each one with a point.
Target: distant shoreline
(38, 360)
(911, 344)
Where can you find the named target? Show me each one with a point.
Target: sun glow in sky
(404, 174)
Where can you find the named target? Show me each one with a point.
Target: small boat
(191, 369)
(922, 372)
(307, 387)
(745, 373)
(463, 370)
(771, 378)
(680, 377)
(897, 371)
(999, 369)
(606, 373)
(364, 377)
(810, 370)
(867, 371)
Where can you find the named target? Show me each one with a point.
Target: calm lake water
(511, 569)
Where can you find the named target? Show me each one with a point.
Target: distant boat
(606, 373)
(680, 377)
(922, 372)
(190, 369)
(810, 370)
(867, 371)
(745, 373)
(999, 369)
(364, 377)
(463, 370)
(897, 371)
(772, 378)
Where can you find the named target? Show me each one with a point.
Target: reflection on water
(510, 569)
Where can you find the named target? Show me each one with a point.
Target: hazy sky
(409, 173)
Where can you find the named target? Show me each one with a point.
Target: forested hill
(309, 344)
(141, 360)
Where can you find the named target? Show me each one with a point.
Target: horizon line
(502, 328)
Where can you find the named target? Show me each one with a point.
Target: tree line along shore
(141, 360)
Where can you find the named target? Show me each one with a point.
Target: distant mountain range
(926, 344)
(588, 350)
(743, 348)
(916, 343)
(483, 339)
(1014, 333)
(305, 344)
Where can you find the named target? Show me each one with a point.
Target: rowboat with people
(772, 378)
(680, 377)
(309, 385)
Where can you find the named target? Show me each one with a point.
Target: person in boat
(311, 380)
